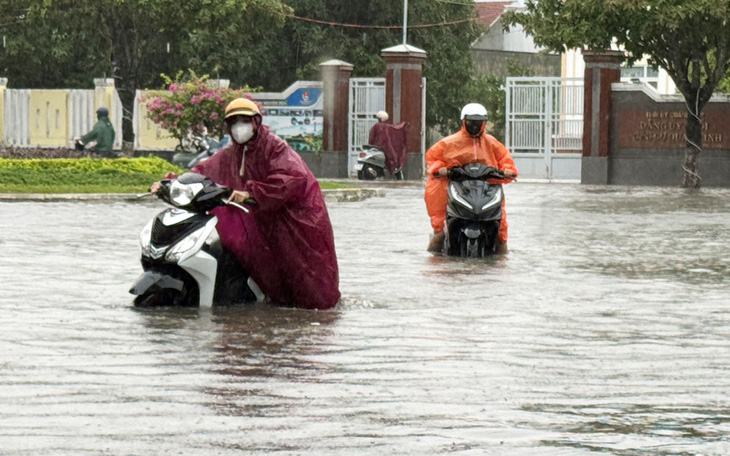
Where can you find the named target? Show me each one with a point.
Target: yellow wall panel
(152, 136)
(104, 93)
(48, 117)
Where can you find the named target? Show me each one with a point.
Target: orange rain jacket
(459, 149)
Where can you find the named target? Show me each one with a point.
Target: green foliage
(448, 66)
(315, 142)
(62, 44)
(257, 42)
(193, 105)
(330, 185)
(489, 91)
(81, 175)
(90, 175)
(44, 47)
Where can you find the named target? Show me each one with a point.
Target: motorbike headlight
(496, 199)
(145, 238)
(183, 194)
(182, 247)
(454, 193)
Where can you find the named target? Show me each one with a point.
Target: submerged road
(605, 330)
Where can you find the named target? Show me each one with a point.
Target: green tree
(133, 41)
(238, 40)
(489, 90)
(67, 43)
(448, 67)
(690, 39)
(43, 47)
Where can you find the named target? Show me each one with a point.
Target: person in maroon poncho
(391, 138)
(286, 241)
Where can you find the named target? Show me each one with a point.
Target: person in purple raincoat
(286, 241)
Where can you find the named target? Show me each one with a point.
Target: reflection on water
(604, 330)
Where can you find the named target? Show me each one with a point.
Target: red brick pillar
(336, 97)
(403, 95)
(601, 70)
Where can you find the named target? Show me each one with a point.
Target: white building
(516, 42)
(657, 78)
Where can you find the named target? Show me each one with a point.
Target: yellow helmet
(241, 107)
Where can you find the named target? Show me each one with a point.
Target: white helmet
(381, 116)
(474, 111)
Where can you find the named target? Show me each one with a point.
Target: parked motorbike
(473, 210)
(183, 260)
(196, 148)
(371, 164)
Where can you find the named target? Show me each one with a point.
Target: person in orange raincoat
(470, 144)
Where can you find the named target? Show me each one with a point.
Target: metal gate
(544, 126)
(367, 96)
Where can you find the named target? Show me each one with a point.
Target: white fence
(367, 96)
(544, 126)
(15, 114)
(80, 116)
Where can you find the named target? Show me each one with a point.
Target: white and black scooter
(197, 148)
(371, 164)
(183, 260)
(473, 211)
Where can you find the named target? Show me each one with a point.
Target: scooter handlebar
(239, 206)
(458, 172)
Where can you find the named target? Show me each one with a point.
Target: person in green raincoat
(102, 133)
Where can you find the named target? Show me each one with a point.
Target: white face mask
(242, 132)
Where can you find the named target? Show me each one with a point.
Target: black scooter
(183, 260)
(473, 211)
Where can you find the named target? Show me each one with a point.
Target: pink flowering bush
(192, 106)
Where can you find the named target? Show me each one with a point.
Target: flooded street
(605, 330)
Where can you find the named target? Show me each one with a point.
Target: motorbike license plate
(358, 167)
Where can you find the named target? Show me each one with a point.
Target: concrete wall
(329, 164)
(514, 40)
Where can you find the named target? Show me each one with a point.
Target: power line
(389, 27)
(470, 4)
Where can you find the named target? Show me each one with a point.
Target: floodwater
(605, 330)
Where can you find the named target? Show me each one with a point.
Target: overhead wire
(360, 26)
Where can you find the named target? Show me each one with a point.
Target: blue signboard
(296, 112)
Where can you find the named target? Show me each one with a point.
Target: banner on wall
(294, 113)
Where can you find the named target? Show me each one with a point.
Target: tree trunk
(127, 95)
(691, 166)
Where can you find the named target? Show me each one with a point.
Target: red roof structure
(489, 12)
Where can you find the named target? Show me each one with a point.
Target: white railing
(544, 121)
(367, 96)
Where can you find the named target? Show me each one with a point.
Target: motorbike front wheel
(472, 248)
(165, 298)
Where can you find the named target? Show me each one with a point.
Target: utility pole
(405, 20)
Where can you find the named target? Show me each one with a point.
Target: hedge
(89, 175)
(81, 175)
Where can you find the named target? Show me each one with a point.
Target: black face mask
(473, 127)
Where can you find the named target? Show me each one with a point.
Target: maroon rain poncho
(392, 139)
(285, 242)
